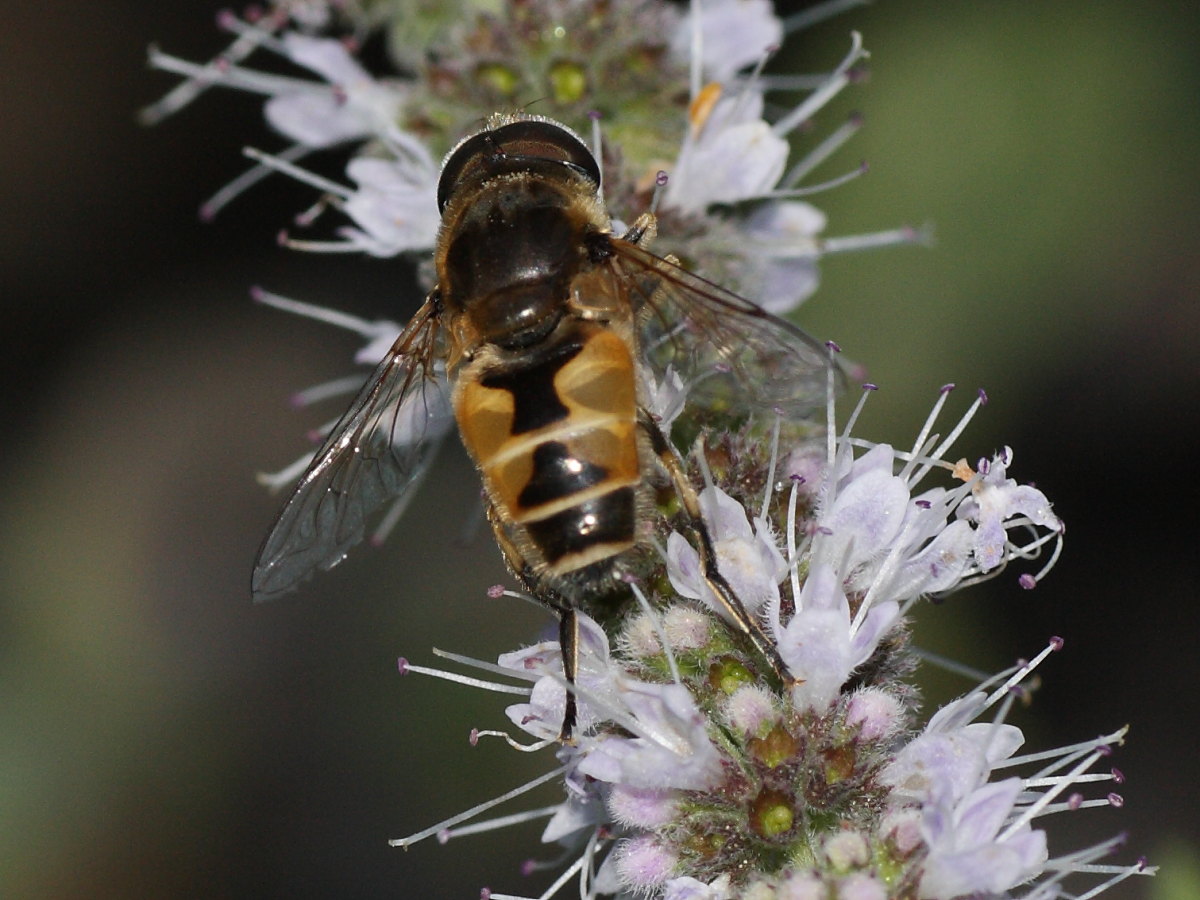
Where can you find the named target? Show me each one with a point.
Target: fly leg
(746, 623)
(568, 618)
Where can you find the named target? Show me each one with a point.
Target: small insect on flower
(546, 338)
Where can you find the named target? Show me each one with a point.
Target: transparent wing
(729, 353)
(375, 454)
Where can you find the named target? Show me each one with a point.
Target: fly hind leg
(568, 618)
(669, 458)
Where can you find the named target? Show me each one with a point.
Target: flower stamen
(833, 85)
(520, 818)
(471, 813)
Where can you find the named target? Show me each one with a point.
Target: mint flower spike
(673, 757)
(727, 154)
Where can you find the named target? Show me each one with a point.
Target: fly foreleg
(670, 459)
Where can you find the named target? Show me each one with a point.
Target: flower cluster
(730, 203)
(696, 773)
(697, 769)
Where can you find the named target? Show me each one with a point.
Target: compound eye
(524, 145)
(540, 139)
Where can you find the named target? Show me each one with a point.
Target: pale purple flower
(596, 678)
(732, 35)
(750, 709)
(996, 499)
(688, 888)
(642, 807)
(954, 754)
(886, 541)
(846, 849)
(349, 105)
(580, 812)
(644, 862)
(729, 154)
(394, 204)
(876, 712)
(967, 855)
(746, 555)
(732, 155)
(818, 643)
(782, 249)
(671, 750)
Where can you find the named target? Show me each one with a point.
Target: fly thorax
(510, 261)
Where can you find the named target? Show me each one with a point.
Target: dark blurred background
(160, 736)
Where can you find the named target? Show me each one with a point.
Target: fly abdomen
(594, 530)
(555, 436)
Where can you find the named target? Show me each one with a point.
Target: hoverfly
(539, 339)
